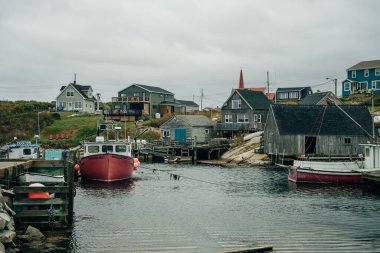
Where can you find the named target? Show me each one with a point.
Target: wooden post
(70, 184)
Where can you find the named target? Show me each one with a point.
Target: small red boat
(107, 161)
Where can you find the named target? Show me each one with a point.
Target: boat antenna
(360, 126)
(98, 114)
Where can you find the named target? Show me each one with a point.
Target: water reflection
(104, 189)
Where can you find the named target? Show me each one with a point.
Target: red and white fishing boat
(107, 160)
(338, 172)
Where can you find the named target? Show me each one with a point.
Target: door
(310, 143)
(180, 134)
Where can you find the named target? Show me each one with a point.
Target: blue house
(362, 78)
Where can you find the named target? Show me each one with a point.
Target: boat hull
(305, 175)
(106, 167)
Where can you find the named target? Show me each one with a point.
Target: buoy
(136, 163)
(50, 137)
(38, 195)
(76, 167)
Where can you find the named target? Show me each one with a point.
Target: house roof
(82, 89)
(255, 99)
(365, 65)
(262, 89)
(187, 103)
(322, 120)
(291, 89)
(314, 99)
(191, 120)
(153, 89)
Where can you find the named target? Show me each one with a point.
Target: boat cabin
(21, 150)
(372, 156)
(107, 147)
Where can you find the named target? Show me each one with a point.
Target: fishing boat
(338, 172)
(20, 150)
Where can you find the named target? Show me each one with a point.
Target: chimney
(241, 81)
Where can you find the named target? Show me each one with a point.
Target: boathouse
(188, 127)
(295, 131)
(321, 98)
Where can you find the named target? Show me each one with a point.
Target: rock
(2, 248)
(34, 233)
(24, 238)
(7, 236)
(4, 220)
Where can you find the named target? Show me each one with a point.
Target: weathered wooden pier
(181, 152)
(55, 211)
(372, 179)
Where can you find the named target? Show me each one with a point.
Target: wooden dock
(372, 178)
(53, 212)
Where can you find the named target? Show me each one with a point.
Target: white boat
(29, 177)
(21, 150)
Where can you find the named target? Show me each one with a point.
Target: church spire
(241, 81)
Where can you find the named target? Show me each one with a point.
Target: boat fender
(38, 195)
(136, 163)
(76, 167)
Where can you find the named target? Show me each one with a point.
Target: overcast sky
(181, 46)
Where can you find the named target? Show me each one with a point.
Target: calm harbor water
(214, 209)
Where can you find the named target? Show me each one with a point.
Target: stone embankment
(8, 234)
(244, 152)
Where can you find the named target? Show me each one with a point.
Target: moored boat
(108, 161)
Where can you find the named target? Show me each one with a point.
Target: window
(136, 94)
(78, 105)
(257, 118)
(207, 131)
(242, 118)
(123, 95)
(353, 74)
(27, 151)
(62, 104)
(121, 148)
(366, 152)
(165, 133)
(362, 85)
(107, 148)
(144, 94)
(93, 149)
(228, 118)
(376, 85)
(283, 95)
(293, 94)
(236, 104)
(377, 72)
(347, 86)
(69, 93)
(347, 141)
(70, 104)
(366, 73)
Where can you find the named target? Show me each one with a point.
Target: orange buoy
(76, 167)
(50, 137)
(136, 163)
(38, 195)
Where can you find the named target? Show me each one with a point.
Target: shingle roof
(255, 99)
(153, 89)
(314, 99)
(187, 102)
(322, 120)
(192, 120)
(365, 65)
(291, 89)
(82, 89)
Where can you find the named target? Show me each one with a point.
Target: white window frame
(366, 73)
(347, 86)
(365, 84)
(136, 94)
(353, 74)
(236, 104)
(69, 93)
(293, 95)
(376, 85)
(377, 72)
(228, 118)
(78, 105)
(257, 118)
(283, 95)
(242, 118)
(165, 133)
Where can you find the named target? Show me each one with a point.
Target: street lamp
(38, 123)
(335, 80)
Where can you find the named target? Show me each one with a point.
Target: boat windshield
(116, 148)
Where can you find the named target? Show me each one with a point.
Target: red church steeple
(241, 81)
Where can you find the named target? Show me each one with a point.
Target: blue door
(180, 134)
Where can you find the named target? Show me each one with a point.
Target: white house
(75, 97)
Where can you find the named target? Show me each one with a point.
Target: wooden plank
(30, 202)
(50, 189)
(39, 213)
(258, 249)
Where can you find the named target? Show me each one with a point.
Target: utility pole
(335, 82)
(267, 81)
(201, 99)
